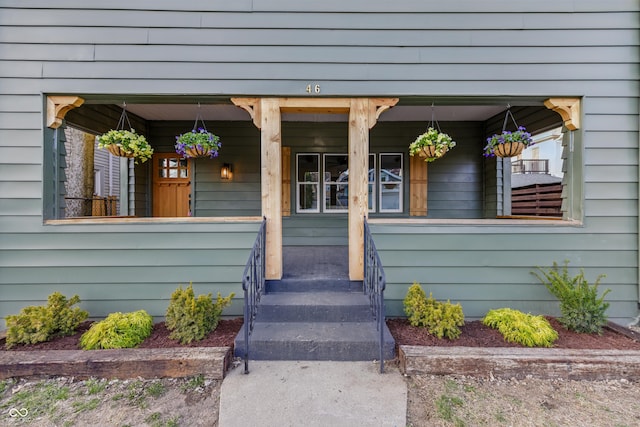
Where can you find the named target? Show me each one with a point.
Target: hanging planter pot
(126, 143)
(507, 143)
(118, 151)
(431, 152)
(432, 144)
(199, 142)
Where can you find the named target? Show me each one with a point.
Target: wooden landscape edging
(512, 362)
(212, 362)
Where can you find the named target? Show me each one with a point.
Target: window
(391, 187)
(336, 182)
(308, 187)
(334, 169)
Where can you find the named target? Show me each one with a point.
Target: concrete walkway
(310, 393)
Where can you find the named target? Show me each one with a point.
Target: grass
(193, 383)
(156, 389)
(39, 400)
(95, 386)
(446, 404)
(156, 420)
(89, 405)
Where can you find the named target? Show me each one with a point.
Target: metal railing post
(374, 285)
(253, 286)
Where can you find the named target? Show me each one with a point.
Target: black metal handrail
(374, 284)
(253, 285)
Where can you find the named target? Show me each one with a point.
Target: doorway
(171, 185)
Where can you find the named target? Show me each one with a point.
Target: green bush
(118, 330)
(582, 310)
(190, 318)
(440, 319)
(37, 324)
(518, 327)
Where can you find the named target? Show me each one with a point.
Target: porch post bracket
(569, 110)
(251, 106)
(58, 107)
(379, 106)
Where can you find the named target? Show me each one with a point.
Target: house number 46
(313, 88)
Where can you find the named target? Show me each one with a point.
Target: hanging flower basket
(126, 143)
(430, 152)
(508, 149)
(508, 144)
(431, 145)
(199, 142)
(117, 151)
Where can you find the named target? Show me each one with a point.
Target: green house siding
(123, 267)
(427, 50)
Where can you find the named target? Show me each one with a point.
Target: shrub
(582, 310)
(440, 319)
(118, 330)
(190, 318)
(518, 327)
(37, 324)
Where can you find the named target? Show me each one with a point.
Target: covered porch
(462, 186)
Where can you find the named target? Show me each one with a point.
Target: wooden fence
(537, 200)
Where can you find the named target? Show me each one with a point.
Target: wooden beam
(251, 106)
(569, 110)
(58, 107)
(358, 183)
(271, 173)
(417, 186)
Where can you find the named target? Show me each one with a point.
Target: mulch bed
(223, 336)
(474, 334)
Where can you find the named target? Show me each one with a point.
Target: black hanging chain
(506, 117)
(199, 118)
(433, 119)
(124, 118)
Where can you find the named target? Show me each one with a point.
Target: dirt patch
(465, 401)
(471, 401)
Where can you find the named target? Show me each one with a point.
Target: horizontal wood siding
(123, 267)
(501, 50)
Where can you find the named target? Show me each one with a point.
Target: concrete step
(350, 341)
(313, 284)
(314, 307)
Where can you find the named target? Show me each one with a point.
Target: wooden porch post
(358, 183)
(271, 171)
(266, 115)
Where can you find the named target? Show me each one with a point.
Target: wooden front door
(171, 185)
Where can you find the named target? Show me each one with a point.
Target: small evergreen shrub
(582, 310)
(190, 318)
(441, 319)
(118, 330)
(522, 328)
(36, 324)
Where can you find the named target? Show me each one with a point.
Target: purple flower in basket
(198, 143)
